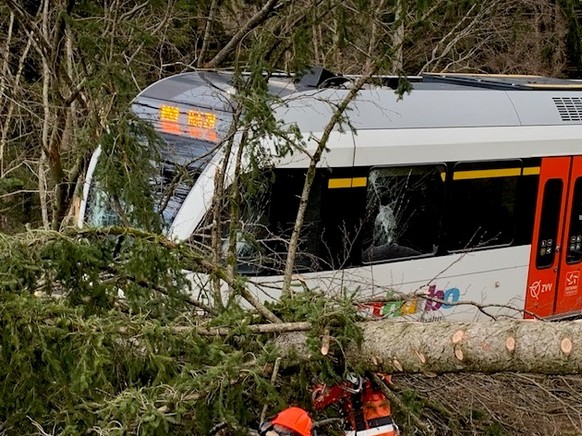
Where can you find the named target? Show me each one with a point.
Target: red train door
(553, 286)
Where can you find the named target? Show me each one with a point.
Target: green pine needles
(99, 334)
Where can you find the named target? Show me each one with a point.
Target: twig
(273, 380)
(421, 426)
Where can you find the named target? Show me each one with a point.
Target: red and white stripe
(384, 430)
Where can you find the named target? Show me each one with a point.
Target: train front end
(190, 115)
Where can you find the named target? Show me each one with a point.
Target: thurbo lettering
(441, 299)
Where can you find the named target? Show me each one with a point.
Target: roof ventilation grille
(570, 108)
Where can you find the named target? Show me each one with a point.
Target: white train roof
(436, 100)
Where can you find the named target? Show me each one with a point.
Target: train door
(553, 286)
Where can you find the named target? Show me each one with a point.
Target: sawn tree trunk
(485, 347)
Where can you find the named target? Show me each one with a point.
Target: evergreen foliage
(87, 343)
(128, 168)
(100, 329)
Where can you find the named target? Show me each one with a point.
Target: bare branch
(261, 16)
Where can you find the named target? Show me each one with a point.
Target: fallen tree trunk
(443, 347)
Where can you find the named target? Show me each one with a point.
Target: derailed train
(465, 192)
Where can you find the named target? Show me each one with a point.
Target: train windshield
(182, 160)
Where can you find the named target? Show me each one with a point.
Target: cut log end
(510, 344)
(459, 353)
(420, 356)
(325, 342)
(458, 336)
(397, 365)
(566, 346)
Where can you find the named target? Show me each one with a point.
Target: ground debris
(500, 404)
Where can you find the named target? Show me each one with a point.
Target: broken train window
(404, 206)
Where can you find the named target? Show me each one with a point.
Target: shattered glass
(404, 208)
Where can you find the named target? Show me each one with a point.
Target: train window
(284, 203)
(267, 210)
(574, 248)
(549, 223)
(181, 161)
(482, 209)
(403, 212)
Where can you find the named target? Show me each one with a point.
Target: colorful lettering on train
(435, 299)
(441, 299)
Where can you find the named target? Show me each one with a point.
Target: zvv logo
(537, 288)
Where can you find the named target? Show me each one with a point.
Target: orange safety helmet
(296, 419)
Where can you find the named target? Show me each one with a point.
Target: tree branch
(251, 24)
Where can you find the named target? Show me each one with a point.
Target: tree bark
(443, 347)
(336, 118)
(260, 17)
(206, 38)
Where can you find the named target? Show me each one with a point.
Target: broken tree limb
(395, 400)
(441, 347)
(255, 328)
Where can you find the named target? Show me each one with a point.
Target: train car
(460, 199)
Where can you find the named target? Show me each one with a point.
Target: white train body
(461, 198)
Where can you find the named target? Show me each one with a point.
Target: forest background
(86, 361)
